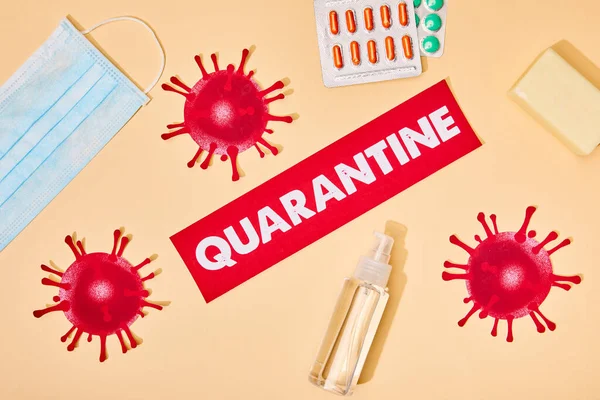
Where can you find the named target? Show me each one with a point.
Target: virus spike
(576, 279)
(562, 244)
(198, 60)
(509, 336)
(250, 74)
(169, 88)
(103, 355)
(463, 321)
(485, 310)
(173, 126)
(495, 327)
(148, 277)
(271, 148)
(467, 300)
(80, 247)
(563, 286)
(245, 53)
(269, 131)
(213, 57)
(124, 243)
(116, 236)
(449, 264)
(69, 242)
(232, 152)
(457, 242)
(481, 219)
(230, 69)
(52, 271)
(551, 325)
(260, 152)
(56, 299)
(211, 151)
(75, 340)
(169, 135)
(520, 235)
(551, 236)
(50, 282)
(133, 293)
(478, 238)
(540, 327)
(176, 81)
(532, 234)
(120, 337)
(447, 276)
(280, 96)
(132, 342)
(277, 85)
(493, 218)
(89, 338)
(141, 313)
(144, 303)
(64, 337)
(194, 160)
(286, 119)
(62, 306)
(142, 264)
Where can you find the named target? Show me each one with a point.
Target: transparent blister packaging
(431, 18)
(364, 41)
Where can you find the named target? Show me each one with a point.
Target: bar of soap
(562, 100)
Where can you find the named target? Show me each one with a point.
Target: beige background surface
(258, 341)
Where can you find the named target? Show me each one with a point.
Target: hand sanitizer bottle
(354, 322)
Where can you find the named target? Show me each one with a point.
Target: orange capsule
(355, 50)
(334, 26)
(350, 21)
(372, 50)
(407, 46)
(403, 11)
(369, 19)
(386, 19)
(390, 48)
(338, 61)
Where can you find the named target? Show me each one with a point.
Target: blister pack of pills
(365, 41)
(431, 24)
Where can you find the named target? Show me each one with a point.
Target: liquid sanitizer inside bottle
(354, 321)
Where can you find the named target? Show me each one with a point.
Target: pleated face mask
(56, 113)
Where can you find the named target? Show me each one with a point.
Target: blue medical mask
(56, 113)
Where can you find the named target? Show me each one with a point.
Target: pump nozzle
(382, 248)
(374, 266)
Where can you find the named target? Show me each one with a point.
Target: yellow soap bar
(562, 100)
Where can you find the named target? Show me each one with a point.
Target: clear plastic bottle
(354, 322)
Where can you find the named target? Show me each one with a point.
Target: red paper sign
(325, 191)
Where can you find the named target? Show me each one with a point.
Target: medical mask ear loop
(139, 21)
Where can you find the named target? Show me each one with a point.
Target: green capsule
(417, 20)
(434, 5)
(417, 3)
(433, 22)
(431, 44)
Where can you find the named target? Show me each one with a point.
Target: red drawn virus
(509, 274)
(226, 113)
(100, 294)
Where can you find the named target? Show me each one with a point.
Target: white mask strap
(139, 21)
